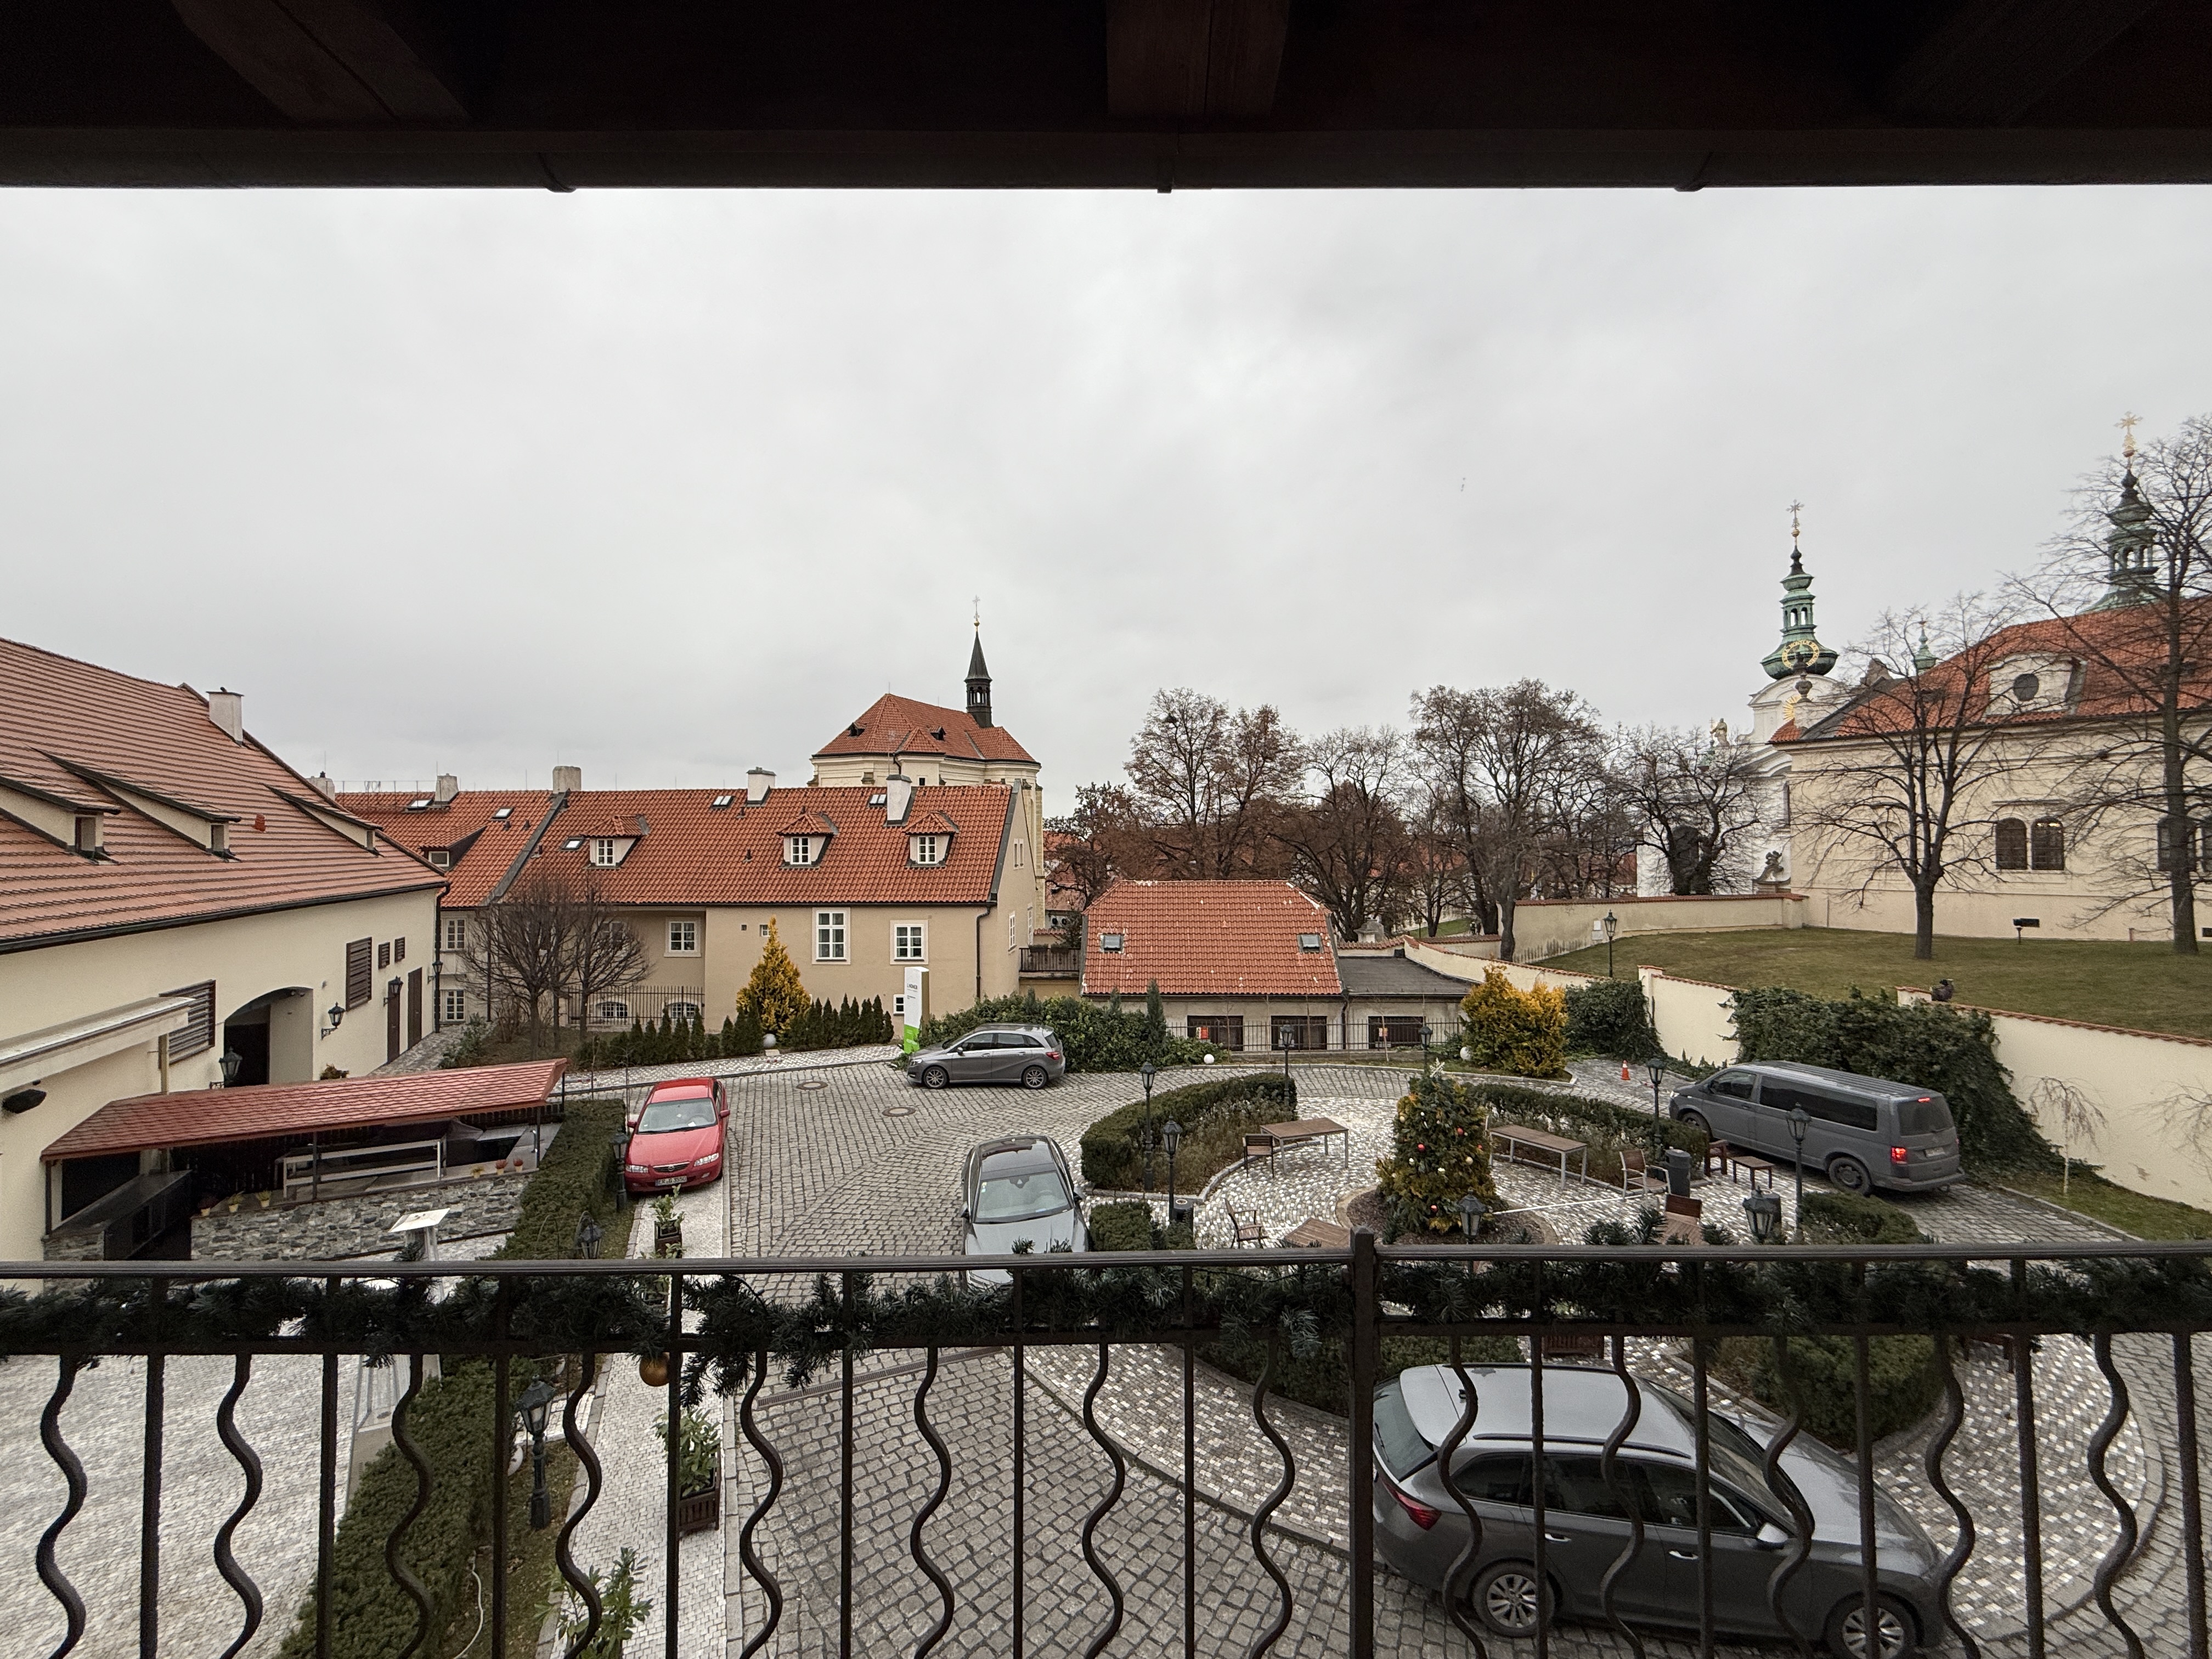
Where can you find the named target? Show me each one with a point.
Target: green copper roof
(2129, 579)
(1800, 651)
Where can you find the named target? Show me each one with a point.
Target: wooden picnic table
(1515, 1136)
(1313, 1233)
(1304, 1132)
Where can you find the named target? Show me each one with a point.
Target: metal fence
(1365, 1297)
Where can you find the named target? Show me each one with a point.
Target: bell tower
(1800, 651)
(979, 681)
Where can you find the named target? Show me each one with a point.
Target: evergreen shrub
(1607, 1129)
(1439, 1153)
(1214, 1116)
(1521, 1032)
(1129, 1225)
(1847, 1218)
(1903, 1383)
(1093, 1039)
(1947, 1051)
(1609, 1017)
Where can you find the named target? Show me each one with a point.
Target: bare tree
(1211, 784)
(604, 953)
(1899, 782)
(2080, 1120)
(1347, 840)
(1495, 759)
(1092, 842)
(1435, 876)
(1587, 848)
(528, 932)
(2128, 592)
(1694, 801)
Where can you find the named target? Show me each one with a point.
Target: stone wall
(336, 1228)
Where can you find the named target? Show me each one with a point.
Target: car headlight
(707, 1157)
(635, 1169)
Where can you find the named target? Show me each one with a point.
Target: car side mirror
(963, 1212)
(1769, 1536)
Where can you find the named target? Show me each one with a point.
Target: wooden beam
(1185, 60)
(1994, 60)
(323, 62)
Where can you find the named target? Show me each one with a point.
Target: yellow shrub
(1523, 1033)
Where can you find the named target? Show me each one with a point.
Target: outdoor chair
(1259, 1145)
(1681, 1225)
(1635, 1175)
(1244, 1229)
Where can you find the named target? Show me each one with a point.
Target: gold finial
(1795, 507)
(977, 602)
(2126, 424)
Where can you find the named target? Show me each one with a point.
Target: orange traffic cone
(1624, 1070)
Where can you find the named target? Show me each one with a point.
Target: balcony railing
(1140, 1320)
(1052, 960)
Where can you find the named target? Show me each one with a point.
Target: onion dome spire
(1800, 651)
(2129, 579)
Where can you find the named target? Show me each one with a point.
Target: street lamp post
(1612, 929)
(1145, 1072)
(1470, 1216)
(1764, 1211)
(1427, 1031)
(1658, 1070)
(588, 1235)
(1800, 1121)
(1171, 1138)
(533, 1404)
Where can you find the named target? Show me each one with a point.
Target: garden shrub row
(1214, 1116)
(1131, 1226)
(1610, 1016)
(1848, 1218)
(1094, 1037)
(451, 1423)
(820, 1024)
(1902, 1379)
(1603, 1124)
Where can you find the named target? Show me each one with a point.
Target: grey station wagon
(1028, 1055)
(1018, 1191)
(1861, 1132)
(1420, 1528)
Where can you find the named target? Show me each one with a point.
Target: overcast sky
(668, 485)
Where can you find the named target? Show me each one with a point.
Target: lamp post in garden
(1171, 1137)
(1658, 1070)
(1611, 926)
(588, 1235)
(1147, 1072)
(1428, 1059)
(1470, 1216)
(1764, 1211)
(535, 1401)
(1800, 1121)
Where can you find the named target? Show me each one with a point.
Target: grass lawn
(2145, 987)
(2117, 1206)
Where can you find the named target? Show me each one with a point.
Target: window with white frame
(1013, 921)
(926, 849)
(829, 936)
(457, 1007)
(606, 851)
(611, 1008)
(799, 849)
(457, 933)
(683, 938)
(906, 942)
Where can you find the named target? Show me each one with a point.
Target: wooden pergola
(1143, 94)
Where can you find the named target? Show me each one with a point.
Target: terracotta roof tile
(67, 722)
(809, 822)
(1207, 939)
(485, 845)
(899, 725)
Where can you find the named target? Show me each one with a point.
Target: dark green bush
(1322, 1379)
(372, 1617)
(1120, 1226)
(1113, 1154)
(1902, 1382)
(1845, 1218)
(1609, 1017)
(1947, 1051)
(1094, 1038)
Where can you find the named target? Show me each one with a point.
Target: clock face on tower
(1798, 652)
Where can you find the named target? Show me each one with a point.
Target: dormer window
(439, 858)
(2030, 685)
(218, 836)
(925, 849)
(606, 851)
(88, 832)
(1110, 942)
(799, 850)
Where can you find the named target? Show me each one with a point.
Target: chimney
(758, 782)
(324, 786)
(228, 710)
(898, 797)
(566, 781)
(448, 786)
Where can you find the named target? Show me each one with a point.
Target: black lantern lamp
(232, 1062)
(336, 1015)
(1470, 1216)
(588, 1235)
(1427, 1032)
(1171, 1138)
(1764, 1212)
(536, 1401)
(1611, 926)
(1148, 1071)
(1657, 1068)
(1800, 1121)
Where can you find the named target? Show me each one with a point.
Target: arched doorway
(272, 1037)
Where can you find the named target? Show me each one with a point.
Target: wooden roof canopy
(1147, 93)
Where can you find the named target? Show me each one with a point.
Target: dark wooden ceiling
(1148, 93)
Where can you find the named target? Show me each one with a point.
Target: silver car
(1028, 1055)
(1421, 1530)
(1017, 1191)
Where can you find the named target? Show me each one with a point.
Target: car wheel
(1034, 1077)
(1846, 1632)
(934, 1077)
(1504, 1597)
(1697, 1121)
(1850, 1175)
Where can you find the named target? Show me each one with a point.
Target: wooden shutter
(357, 977)
(198, 1034)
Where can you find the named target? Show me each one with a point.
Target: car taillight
(1421, 1514)
(1898, 1155)
(1052, 1054)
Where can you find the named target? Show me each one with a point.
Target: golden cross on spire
(977, 602)
(2126, 424)
(1795, 507)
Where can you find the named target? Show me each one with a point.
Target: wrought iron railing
(735, 1324)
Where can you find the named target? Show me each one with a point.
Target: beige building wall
(1551, 927)
(300, 950)
(734, 935)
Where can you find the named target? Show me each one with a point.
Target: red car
(676, 1139)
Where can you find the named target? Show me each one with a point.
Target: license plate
(669, 1181)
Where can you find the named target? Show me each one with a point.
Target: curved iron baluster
(1955, 1413)
(416, 1591)
(1274, 1633)
(746, 1553)
(72, 1467)
(1609, 1465)
(562, 1558)
(2123, 1547)
(944, 1485)
(1098, 1568)
(226, 1563)
(1462, 1566)
(1801, 1517)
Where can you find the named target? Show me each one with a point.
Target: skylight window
(422, 805)
(1110, 941)
(1309, 941)
(720, 801)
(572, 843)
(504, 812)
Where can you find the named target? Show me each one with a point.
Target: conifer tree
(1156, 1019)
(775, 993)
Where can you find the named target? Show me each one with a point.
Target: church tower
(2128, 577)
(1800, 651)
(978, 682)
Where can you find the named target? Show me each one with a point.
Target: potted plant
(621, 1609)
(698, 1471)
(667, 1226)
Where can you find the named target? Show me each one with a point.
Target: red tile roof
(68, 723)
(809, 822)
(1207, 939)
(899, 725)
(202, 1117)
(481, 864)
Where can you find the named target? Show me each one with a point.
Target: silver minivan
(1862, 1132)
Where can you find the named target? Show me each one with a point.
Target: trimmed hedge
(1582, 1117)
(450, 1422)
(1095, 1038)
(1948, 1051)
(1609, 1017)
(1113, 1154)
(1129, 1226)
(1903, 1384)
(1845, 1218)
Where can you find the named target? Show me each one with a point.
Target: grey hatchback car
(1420, 1529)
(1017, 1192)
(1028, 1055)
(1861, 1132)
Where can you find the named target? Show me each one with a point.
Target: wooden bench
(1514, 1137)
(1273, 1138)
(1729, 1160)
(1315, 1234)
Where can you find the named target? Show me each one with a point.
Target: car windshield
(666, 1117)
(1736, 1457)
(1013, 1191)
(1928, 1116)
(1397, 1442)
